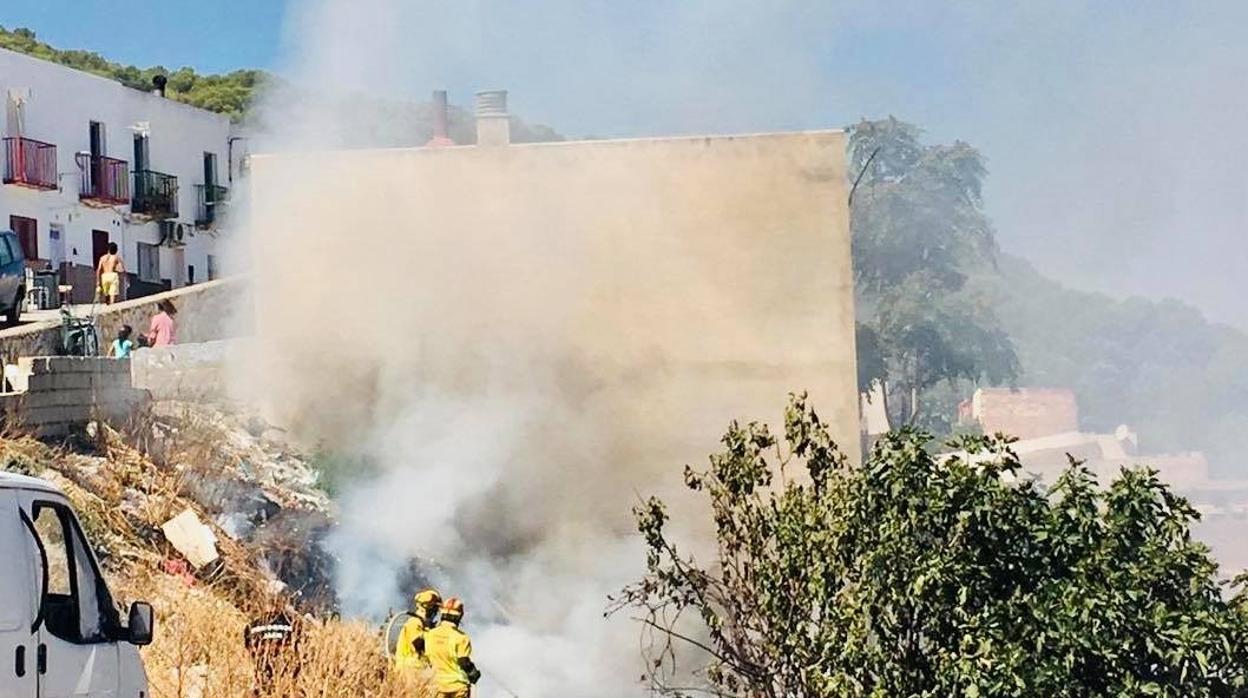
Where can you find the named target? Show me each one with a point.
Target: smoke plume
(514, 387)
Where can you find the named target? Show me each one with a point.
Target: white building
(88, 161)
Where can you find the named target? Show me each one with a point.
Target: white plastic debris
(189, 536)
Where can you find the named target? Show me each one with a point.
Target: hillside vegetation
(1159, 366)
(375, 122)
(229, 93)
(942, 310)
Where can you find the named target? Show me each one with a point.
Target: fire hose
(500, 684)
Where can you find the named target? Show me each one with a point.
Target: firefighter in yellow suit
(450, 653)
(409, 653)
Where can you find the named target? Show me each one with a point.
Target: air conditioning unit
(172, 233)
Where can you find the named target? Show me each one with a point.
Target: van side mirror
(141, 624)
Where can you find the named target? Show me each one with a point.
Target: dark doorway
(210, 169)
(98, 145)
(98, 148)
(27, 230)
(99, 246)
(142, 159)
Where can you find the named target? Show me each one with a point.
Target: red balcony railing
(29, 163)
(104, 179)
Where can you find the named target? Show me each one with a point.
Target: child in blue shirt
(122, 345)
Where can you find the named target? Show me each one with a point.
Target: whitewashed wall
(61, 105)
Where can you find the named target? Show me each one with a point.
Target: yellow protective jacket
(445, 645)
(406, 656)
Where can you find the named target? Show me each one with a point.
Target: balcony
(211, 197)
(104, 180)
(155, 194)
(30, 163)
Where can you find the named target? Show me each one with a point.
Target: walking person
(108, 274)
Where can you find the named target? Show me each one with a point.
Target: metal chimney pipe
(441, 122)
(493, 122)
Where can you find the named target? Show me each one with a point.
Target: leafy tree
(918, 228)
(913, 576)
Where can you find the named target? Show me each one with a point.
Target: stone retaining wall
(208, 311)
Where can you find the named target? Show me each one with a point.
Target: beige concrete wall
(188, 372)
(710, 275)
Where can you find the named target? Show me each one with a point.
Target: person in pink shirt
(162, 330)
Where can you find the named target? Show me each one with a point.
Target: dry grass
(198, 651)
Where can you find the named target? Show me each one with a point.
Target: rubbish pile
(213, 517)
(214, 498)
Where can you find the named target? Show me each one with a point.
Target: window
(56, 240)
(76, 605)
(52, 533)
(149, 262)
(6, 255)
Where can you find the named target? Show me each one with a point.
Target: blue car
(12, 277)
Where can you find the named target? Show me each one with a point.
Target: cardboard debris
(189, 536)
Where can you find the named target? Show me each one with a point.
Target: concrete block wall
(66, 391)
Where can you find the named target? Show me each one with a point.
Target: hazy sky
(1114, 131)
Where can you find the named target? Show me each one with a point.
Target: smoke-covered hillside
(1178, 379)
(942, 309)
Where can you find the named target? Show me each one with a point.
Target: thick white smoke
(517, 385)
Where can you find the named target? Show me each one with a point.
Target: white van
(60, 632)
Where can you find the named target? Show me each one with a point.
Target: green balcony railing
(211, 197)
(155, 194)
